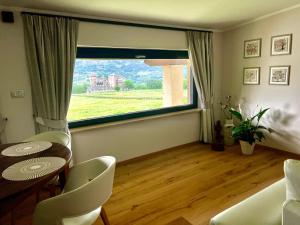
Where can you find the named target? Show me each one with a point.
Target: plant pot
(247, 149)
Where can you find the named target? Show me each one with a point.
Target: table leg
(37, 196)
(13, 217)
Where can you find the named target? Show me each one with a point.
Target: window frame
(125, 53)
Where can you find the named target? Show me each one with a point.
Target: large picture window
(112, 84)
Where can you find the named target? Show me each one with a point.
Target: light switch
(20, 93)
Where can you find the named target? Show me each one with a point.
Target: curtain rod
(83, 19)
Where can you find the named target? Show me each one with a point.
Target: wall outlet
(20, 93)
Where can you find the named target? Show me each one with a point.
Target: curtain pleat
(200, 47)
(51, 44)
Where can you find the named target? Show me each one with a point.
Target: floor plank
(192, 182)
(179, 221)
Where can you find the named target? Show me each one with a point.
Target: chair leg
(104, 216)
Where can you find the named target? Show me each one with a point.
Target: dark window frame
(125, 53)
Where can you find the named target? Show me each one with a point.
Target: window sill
(98, 126)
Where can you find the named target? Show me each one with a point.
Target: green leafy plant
(248, 128)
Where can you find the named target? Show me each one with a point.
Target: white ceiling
(213, 14)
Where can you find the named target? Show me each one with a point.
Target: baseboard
(143, 157)
(292, 154)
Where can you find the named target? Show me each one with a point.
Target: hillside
(134, 70)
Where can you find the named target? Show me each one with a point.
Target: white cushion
(263, 208)
(291, 213)
(292, 177)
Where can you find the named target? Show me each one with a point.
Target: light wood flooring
(190, 182)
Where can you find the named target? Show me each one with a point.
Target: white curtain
(51, 44)
(200, 47)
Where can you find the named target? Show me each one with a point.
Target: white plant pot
(247, 149)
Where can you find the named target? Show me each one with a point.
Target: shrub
(79, 88)
(128, 84)
(154, 84)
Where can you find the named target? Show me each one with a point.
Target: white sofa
(267, 207)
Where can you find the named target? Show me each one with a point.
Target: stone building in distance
(102, 83)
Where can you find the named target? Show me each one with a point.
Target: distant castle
(101, 83)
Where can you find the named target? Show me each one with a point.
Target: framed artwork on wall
(251, 75)
(252, 48)
(280, 75)
(281, 45)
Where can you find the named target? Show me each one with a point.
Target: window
(112, 84)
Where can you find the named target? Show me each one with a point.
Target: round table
(13, 193)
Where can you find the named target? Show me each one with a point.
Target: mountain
(135, 70)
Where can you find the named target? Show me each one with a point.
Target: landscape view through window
(107, 87)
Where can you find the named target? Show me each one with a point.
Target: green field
(102, 104)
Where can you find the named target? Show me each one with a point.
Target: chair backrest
(52, 136)
(88, 186)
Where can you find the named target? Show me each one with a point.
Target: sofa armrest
(291, 212)
(263, 208)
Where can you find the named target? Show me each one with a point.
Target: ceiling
(213, 14)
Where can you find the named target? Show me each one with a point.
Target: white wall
(138, 138)
(13, 75)
(283, 100)
(124, 141)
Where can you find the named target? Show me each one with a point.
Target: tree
(185, 84)
(154, 84)
(128, 84)
(79, 88)
(140, 86)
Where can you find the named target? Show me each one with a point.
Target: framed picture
(280, 75)
(251, 75)
(252, 48)
(281, 45)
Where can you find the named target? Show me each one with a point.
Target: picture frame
(252, 48)
(251, 76)
(279, 75)
(281, 44)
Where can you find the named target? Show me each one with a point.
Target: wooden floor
(190, 182)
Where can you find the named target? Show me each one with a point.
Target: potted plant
(248, 130)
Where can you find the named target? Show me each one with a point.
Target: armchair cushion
(291, 212)
(263, 208)
(292, 177)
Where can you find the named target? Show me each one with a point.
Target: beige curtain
(200, 47)
(50, 44)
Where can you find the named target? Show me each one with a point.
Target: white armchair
(275, 205)
(59, 137)
(291, 212)
(89, 185)
(262, 208)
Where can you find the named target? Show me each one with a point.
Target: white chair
(59, 137)
(89, 185)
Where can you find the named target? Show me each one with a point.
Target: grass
(101, 104)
